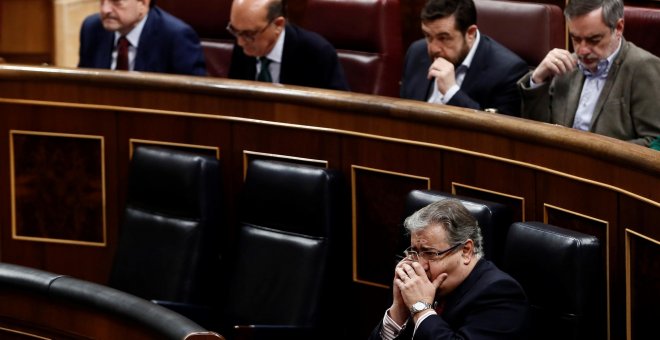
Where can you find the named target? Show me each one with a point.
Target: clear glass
(428, 255)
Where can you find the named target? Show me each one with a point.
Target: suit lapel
(609, 83)
(104, 57)
(568, 108)
(146, 42)
(478, 64)
(288, 55)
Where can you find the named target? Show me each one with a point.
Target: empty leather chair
(209, 18)
(494, 218)
(170, 226)
(528, 29)
(641, 27)
(293, 246)
(367, 36)
(562, 272)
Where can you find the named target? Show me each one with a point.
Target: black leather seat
(170, 226)
(293, 220)
(494, 218)
(562, 272)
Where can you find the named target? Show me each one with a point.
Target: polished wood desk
(69, 135)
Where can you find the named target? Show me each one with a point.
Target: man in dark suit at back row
(457, 65)
(136, 35)
(270, 49)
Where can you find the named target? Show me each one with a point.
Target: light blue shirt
(591, 89)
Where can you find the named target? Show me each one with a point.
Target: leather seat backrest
(209, 18)
(493, 218)
(528, 29)
(293, 223)
(169, 223)
(291, 197)
(279, 278)
(367, 36)
(562, 273)
(641, 27)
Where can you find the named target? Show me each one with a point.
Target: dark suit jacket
(489, 304)
(307, 60)
(627, 108)
(167, 45)
(490, 82)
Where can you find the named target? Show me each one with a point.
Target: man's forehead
(440, 25)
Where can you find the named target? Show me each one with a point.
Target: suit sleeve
(535, 101)
(188, 56)
(503, 95)
(644, 102)
(499, 312)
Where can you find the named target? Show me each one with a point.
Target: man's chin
(110, 25)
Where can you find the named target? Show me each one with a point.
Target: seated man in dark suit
(291, 55)
(457, 65)
(136, 35)
(444, 289)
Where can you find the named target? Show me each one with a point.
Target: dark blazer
(489, 304)
(490, 82)
(307, 60)
(167, 45)
(627, 108)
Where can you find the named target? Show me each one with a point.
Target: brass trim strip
(522, 199)
(24, 333)
(12, 185)
(132, 141)
(607, 252)
(337, 131)
(354, 215)
(628, 233)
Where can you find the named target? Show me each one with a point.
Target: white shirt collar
(276, 53)
(468, 59)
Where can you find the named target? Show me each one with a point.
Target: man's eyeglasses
(428, 255)
(247, 35)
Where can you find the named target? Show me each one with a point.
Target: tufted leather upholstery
(530, 30)
(493, 218)
(169, 223)
(209, 19)
(562, 273)
(367, 36)
(290, 222)
(641, 26)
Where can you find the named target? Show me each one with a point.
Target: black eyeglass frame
(247, 35)
(433, 255)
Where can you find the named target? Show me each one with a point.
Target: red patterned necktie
(122, 54)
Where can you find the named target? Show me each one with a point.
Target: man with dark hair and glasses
(271, 50)
(444, 289)
(137, 35)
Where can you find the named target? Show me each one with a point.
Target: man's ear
(467, 251)
(280, 22)
(471, 34)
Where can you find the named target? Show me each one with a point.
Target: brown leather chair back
(367, 36)
(641, 27)
(530, 30)
(209, 19)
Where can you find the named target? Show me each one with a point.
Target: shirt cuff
(390, 328)
(450, 93)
